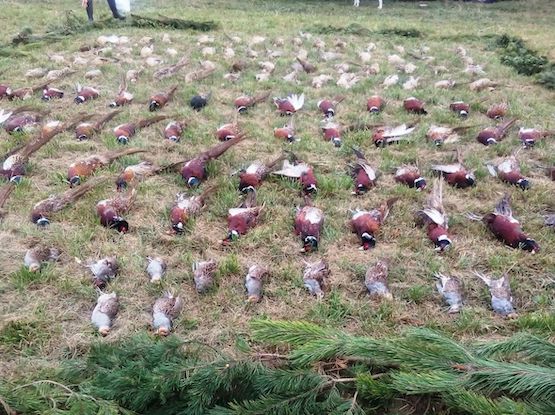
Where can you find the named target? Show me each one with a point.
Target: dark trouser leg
(112, 4)
(90, 10)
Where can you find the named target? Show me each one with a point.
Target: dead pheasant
(186, 208)
(171, 70)
(86, 130)
(124, 132)
(84, 168)
(529, 136)
(375, 280)
(493, 135)
(307, 66)
(252, 177)
(253, 282)
(110, 211)
(497, 111)
(444, 135)
(364, 175)
(124, 97)
(244, 102)
(301, 171)
(13, 167)
(40, 214)
(383, 136)
(315, 277)
(159, 100)
(136, 173)
(243, 218)
(434, 218)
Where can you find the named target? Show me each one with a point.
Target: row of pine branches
(309, 370)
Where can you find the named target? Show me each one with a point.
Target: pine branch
(417, 383)
(516, 379)
(535, 348)
(472, 403)
(288, 332)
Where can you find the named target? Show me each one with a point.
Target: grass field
(46, 316)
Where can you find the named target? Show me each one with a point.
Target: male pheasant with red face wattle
(367, 223)
(194, 170)
(434, 218)
(124, 132)
(493, 135)
(110, 211)
(41, 212)
(185, 208)
(158, 101)
(506, 228)
(242, 219)
(174, 131)
(383, 136)
(309, 222)
(508, 171)
(81, 169)
(251, 177)
(244, 102)
(86, 93)
(124, 97)
(86, 130)
(289, 105)
(303, 172)
(456, 174)
(410, 176)
(364, 175)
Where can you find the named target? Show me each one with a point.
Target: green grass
(63, 290)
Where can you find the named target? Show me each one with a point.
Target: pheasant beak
(34, 268)
(103, 331)
(163, 331)
(253, 299)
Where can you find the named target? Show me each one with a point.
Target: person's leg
(90, 10)
(115, 13)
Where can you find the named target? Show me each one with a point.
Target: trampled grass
(48, 313)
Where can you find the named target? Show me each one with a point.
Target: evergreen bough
(325, 371)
